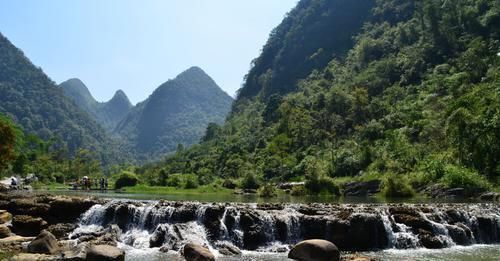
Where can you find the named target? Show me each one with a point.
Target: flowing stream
(267, 231)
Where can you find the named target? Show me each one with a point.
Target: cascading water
(274, 227)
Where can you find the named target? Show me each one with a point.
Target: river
(267, 230)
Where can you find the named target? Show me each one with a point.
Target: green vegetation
(34, 102)
(107, 114)
(177, 112)
(126, 179)
(267, 191)
(414, 96)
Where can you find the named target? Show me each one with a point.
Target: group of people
(87, 183)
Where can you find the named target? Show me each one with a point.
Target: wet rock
(5, 217)
(72, 208)
(428, 240)
(195, 252)
(357, 257)
(108, 236)
(362, 188)
(228, 249)
(105, 253)
(76, 253)
(62, 230)
(488, 229)
(490, 196)
(185, 213)
(315, 250)
(27, 225)
(254, 233)
(28, 206)
(412, 219)
(45, 243)
(211, 220)
(459, 235)
(4, 231)
(158, 237)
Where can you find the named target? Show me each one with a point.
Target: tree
(8, 139)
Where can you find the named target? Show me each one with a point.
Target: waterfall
(275, 227)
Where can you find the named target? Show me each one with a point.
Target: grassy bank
(144, 189)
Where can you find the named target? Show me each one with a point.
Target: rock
(228, 249)
(4, 231)
(27, 225)
(211, 221)
(105, 253)
(45, 243)
(61, 231)
(5, 217)
(195, 252)
(490, 196)
(72, 208)
(254, 233)
(76, 253)
(362, 188)
(15, 239)
(33, 257)
(430, 241)
(315, 250)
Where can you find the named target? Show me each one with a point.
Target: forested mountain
(35, 102)
(177, 112)
(414, 99)
(108, 114)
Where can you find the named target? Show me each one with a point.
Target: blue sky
(136, 45)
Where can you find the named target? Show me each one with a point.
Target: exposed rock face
(27, 225)
(45, 243)
(194, 252)
(315, 250)
(105, 253)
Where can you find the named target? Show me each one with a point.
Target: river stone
(105, 253)
(27, 225)
(315, 250)
(195, 252)
(4, 231)
(5, 217)
(61, 230)
(45, 243)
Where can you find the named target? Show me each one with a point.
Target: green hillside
(403, 91)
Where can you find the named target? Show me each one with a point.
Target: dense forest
(37, 104)
(176, 114)
(413, 100)
(107, 114)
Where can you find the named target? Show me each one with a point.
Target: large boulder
(5, 217)
(195, 252)
(27, 225)
(4, 231)
(315, 250)
(105, 253)
(45, 243)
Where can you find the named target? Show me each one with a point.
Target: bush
(397, 186)
(250, 182)
(322, 185)
(174, 181)
(298, 191)
(460, 177)
(191, 182)
(267, 191)
(230, 184)
(126, 179)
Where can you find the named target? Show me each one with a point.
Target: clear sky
(135, 45)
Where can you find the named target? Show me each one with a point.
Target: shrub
(322, 185)
(397, 186)
(126, 179)
(174, 181)
(268, 191)
(460, 177)
(191, 182)
(228, 183)
(298, 191)
(250, 182)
